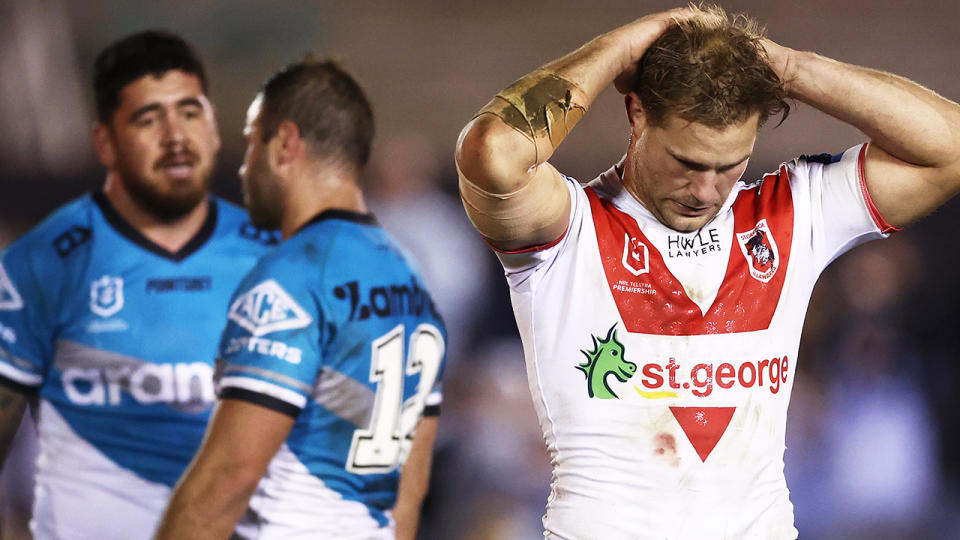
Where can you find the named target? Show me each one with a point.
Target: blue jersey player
(330, 363)
(110, 309)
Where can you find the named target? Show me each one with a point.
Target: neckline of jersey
(128, 231)
(339, 213)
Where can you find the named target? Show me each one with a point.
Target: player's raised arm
(212, 495)
(913, 163)
(512, 195)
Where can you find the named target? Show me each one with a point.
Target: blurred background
(873, 446)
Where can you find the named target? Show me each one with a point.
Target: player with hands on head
(661, 305)
(329, 366)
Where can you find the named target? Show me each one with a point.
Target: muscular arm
(513, 196)
(12, 405)
(913, 163)
(208, 501)
(414, 479)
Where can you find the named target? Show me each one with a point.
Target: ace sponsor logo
(268, 308)
(10, 299)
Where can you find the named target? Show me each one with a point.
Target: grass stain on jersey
(605, 359)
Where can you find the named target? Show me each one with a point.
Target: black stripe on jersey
(131, 233)
(28, 391)
(270, 402)
(431, 410)
(337, 213)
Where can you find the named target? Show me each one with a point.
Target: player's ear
(286, 145)
(103, 145)
(636, 114)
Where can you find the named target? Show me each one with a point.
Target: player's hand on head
(778, 57)
(642, 32)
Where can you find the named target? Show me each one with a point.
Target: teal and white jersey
(117, 337)
(334, 328)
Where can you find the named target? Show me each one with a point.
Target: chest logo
(760, 250)
(605, 359)
(10, 299)
(267, 308)
(106, 296)
(635, 255)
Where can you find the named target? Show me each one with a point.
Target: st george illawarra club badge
(760, 249)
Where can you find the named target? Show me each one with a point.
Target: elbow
(493, 156)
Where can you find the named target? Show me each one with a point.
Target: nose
(703, 186)
(173, 130)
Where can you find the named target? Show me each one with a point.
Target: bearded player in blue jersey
(110, 309)
(330, 363)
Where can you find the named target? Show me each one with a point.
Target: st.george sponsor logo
(266, 347)
(182, 383)
(664, 380)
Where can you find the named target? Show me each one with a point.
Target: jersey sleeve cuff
(19, 387)
(884, 226)
(264, 393)
(263, 400)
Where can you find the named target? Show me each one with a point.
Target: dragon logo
(760, 249)
(606, 358)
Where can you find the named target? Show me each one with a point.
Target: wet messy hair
(328, 106)
(151, 52)
(712, 70)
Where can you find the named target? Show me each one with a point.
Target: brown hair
(327, 105)
(712, 70)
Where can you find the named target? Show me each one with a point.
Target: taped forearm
(524, 214)
(542, 106)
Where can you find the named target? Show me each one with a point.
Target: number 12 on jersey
(383, 445)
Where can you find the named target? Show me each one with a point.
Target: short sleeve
(25, 334)
(841, 211)
(520, 265)
(269, 353)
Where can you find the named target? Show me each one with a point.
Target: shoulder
(58, 236)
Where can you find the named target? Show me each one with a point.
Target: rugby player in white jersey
(661, 305)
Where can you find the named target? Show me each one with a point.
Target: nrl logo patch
(268, 308)
(10, 299)
(106, 296)
(635, 255)
(760, 249)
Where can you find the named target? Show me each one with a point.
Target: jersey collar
(131, 233)
(337, 213)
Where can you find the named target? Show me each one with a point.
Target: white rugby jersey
(661, 363)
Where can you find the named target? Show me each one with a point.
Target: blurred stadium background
(873, 445)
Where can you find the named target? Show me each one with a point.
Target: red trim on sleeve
(884, 225)
(538, 247)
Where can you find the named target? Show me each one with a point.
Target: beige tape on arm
(543, 106)
(521, 216)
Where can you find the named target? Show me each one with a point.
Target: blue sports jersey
(118, 337)
(334, 328)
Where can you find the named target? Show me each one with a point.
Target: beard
(180, 196)
(262, 196)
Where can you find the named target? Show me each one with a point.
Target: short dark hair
(151, 52)
(327, 105)
(711, 70)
